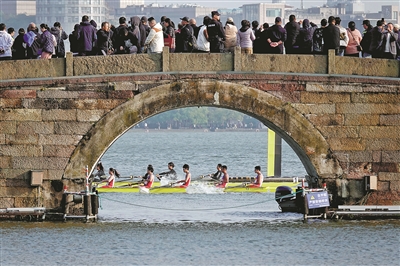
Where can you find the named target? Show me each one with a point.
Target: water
(198, 228)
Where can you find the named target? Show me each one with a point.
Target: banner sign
(318, 199)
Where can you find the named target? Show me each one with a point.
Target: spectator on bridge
(60, 35)
(260, 44)
(230, 35)
(139, 31)
(47, 42)
(318, 42)
(276, 37)
(354, 40)
(144, 22)
(192, 23)
(155, 41)
(396, 29)
(104, 40)
(32, 41)
(6, 42)
(117, 39)
(11, 31)
(331, 36)
(344, 38)
(73, 40)
(186, 36)
(203, 45)
(305, 38)
(254, 27)
(19, 46)
(292, 30)
(245, 38)
(389, 43)
(216, 33)
(169, 34)
(376, 40)
(86, 37)
(366, 39)
(126, 42)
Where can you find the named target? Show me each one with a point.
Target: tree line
(201, 117)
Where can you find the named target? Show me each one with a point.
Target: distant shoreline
(202, 130)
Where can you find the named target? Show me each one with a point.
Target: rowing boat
(196, 187)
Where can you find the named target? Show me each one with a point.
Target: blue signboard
(318, 199)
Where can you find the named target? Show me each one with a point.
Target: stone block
(8, 127)
(10, 103)
(361, 120)
(391, 156)
(315, 98)
(26, 128)
(17, 94)
(5, 161)
(71, 128)
(315, 108)
(89, 115)
(319, 87)
(58, 150)
(59, 139)
(20, 115)
(287, 96)
(21, 150)
(59, 115)
(354, 156)
(26, 202)
(129, 86)
(380, 132)
(93, 95)
(383, 144)
(389, 120)
(20, 139)
(382, 98)
(347, 144)
(339, 131)
(18, 192)
(385, 176)
(395, 186)
(189, 62)
(385, 167)
(326, 119)
(366, 67)
(11, 175)
(54, 174)
(48, 103)
(383, 186)
(25, 69)
(57, 93)
(359, 108)
(40, 163)
(6, 202)
(120, 94)
(118, 64)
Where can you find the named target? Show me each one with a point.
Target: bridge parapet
(198, 62)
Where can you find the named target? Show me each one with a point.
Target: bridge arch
(278, 115)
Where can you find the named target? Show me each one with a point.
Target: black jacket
(331, 36)
(292, 30)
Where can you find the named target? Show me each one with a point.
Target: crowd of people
(146, 35)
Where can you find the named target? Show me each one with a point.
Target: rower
(111, 179)
(225, 177)
(259, 178)
(148, 178)
(188, 177)
(171, 174)
(99, 175)
(217, 174)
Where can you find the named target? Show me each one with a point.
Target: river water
(203, 227)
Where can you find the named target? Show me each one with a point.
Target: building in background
(265, 12)
(18, 7)
(123, 3)
(70, 12)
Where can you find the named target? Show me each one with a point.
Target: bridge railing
(197, 62)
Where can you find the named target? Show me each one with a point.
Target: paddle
(130, 184)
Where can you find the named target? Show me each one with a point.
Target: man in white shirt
(6, 42)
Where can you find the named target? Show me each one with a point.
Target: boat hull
(231, 188)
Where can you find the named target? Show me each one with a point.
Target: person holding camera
(6, 42)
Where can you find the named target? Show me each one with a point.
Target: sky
(372, 5)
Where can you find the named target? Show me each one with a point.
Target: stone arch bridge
(58, 116)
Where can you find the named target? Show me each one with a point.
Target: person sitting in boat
(171, 174)
(99, 175)
(111, 179)
(188, 177)
(217, 174)
(259, 178)
(148, 177)
(225, 177)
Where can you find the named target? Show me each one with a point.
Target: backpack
(193, 43)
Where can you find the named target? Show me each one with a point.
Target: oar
(130, 184)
